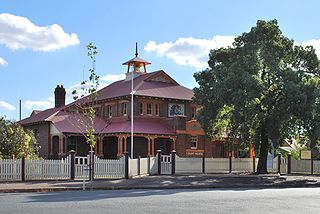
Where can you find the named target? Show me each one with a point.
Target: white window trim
(149, 114)
(124, 110)
(141, 108)
(196, 137)
(157, 109)
(110, 111)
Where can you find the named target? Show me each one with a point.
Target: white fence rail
(10, 170)
(316, 166)
(300, 166)
(166, 164)
(47, 169)
(188, 165)
(106, 168)
(217, 165)
(244, 164)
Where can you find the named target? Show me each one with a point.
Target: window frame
(194, 139)
(109, 111)
(149, 110)
(141, 108)
(157, 109)
(124, 108)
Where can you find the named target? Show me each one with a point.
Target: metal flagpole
(132, 113)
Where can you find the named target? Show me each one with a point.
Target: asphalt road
(301, 200)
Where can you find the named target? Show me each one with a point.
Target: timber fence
(92, 167)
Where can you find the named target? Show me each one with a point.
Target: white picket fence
(217, 165)
(106, 168)
(10, 170)
(47, 169)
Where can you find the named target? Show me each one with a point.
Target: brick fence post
(126, 165)
(203, 163)
(23, 168)
(173, 162)
(139, 159)
(279, 163)
(148, 165)
(289, 164)
(159, 161)
(72, 165)
(254, 164)
(230, 163)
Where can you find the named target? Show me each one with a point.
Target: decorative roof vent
(136, 64)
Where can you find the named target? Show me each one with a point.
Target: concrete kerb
(154, 182)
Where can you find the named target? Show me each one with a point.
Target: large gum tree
(257, 88)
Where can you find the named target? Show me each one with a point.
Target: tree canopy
(16, 142)
(262, 89)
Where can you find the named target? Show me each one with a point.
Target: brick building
(163, 113)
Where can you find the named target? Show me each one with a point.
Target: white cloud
(113, 77)
(104, 81)
(3, 62)
(6, 106)
(315, 43)
(39, 105)
(189, 51)
(18, 32)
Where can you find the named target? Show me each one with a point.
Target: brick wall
(43, 137)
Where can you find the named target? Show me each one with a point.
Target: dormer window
(149, 109)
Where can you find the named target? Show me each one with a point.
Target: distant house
(164, 118)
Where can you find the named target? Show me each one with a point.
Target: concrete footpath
(221, 181)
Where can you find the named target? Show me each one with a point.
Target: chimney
(60, 96)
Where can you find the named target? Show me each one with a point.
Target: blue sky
(42, 43)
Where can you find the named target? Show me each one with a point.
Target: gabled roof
(147, 85)
(156, 84)
(40, 116)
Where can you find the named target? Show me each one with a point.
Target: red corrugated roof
(67, 122)
(144, 85)
(39, 117)
(140, 126)
(146, 88)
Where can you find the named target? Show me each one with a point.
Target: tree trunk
(262, 164)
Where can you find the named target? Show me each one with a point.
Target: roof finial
(136, 49)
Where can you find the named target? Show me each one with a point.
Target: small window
(194, 113)
(110, 110)
(194, 142)
(175, 109)
(157, 110)
(149, 109)
(105, 111)
(141, 108)
(124, 109)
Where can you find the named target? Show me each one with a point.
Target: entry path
(294, 200)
